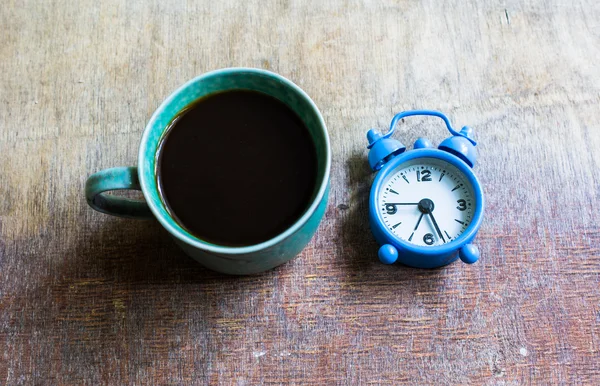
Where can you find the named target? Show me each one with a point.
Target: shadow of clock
(359, 247)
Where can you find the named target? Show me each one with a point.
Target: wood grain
(88, 299)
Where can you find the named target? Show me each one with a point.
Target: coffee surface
(237, 168)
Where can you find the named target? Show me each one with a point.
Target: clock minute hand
(437, 228)
(402, 203)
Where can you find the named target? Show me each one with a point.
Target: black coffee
(237, 168)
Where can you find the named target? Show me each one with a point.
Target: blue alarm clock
(426, 204)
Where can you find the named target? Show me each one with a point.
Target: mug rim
(204, 245)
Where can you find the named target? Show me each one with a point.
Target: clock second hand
(418, 222)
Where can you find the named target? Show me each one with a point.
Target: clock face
(426, 202)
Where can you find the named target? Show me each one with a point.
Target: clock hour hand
(402, 203)
(437, 228)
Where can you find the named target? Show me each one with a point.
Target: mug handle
(119, 178)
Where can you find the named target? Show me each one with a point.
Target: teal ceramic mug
(231, 260)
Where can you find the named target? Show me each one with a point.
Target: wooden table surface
(90, 299)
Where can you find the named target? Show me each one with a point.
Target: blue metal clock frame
(386, 155)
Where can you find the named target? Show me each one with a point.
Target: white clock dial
(426, 202)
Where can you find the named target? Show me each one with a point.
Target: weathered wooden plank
(88, 299)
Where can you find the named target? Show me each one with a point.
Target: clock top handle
(465, 132)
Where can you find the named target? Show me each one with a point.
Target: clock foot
(469, 253)
(388, 254)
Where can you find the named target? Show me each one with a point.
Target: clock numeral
(462, 205)
(423, 176)
(390, 208)
(428, 239)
